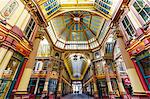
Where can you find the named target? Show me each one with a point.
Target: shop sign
(127, 81)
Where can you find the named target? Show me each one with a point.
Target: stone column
(131, 71)
(120, 84)
(29, 66)
(5, 61)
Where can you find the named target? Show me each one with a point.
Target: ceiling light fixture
(76, 19)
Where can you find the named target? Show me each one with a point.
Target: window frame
(141, 9)
(127, 27)
(31, 26)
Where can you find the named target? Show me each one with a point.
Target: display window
(115, 87)
(10, 72)
(52, 85)
(32, 85)
(143, 61)
(102, 88)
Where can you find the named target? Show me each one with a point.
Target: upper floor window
(30, 27)
(143, 9)
(128, 26)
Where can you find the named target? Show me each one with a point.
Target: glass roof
(77, 27)
(77, 65)
(75, 1)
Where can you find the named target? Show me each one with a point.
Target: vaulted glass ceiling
(78, 24)
(76, 65)
(75, 1)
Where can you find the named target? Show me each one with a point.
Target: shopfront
(102, 88)
(143, 61)
(11, 74)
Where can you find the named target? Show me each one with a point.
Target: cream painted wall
(19, 17)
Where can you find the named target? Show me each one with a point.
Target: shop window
(128, 27)
(30, 27)
(32, 84)
(10, 72)
(102, 88)
(115, 87)
(3, 84)
(52, 85)
(13, 65)
(40, 86)
(146, 66)
(143, 9)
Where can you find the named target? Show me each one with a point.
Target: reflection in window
(143, 9)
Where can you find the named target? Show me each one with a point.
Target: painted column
(59, 91)
(133, 76)
(94, 84)
(120, 84)
(110, 90)
(2, 53)
(29, 66)
(95, 88)
(5, 61)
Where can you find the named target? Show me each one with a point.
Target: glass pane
(26, 31)
(147, 9)
(30, 31)
(145, 63)
(126, 20)
(131, 29)
(136, 7)
(128, 31)
(141, 3)
(33, 25)
(124, 24)
(30, 23)
(144, 16)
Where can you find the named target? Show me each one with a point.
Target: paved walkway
(77, 96)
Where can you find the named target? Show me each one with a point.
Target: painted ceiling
(77, 25)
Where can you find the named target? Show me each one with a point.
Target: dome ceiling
(77, 26)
